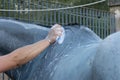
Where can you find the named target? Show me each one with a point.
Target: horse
(106, 65)
(77, 58)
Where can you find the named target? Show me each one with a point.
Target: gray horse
(107, 60)
(79, 57)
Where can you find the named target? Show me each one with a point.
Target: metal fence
(101, 22)
(4, 77)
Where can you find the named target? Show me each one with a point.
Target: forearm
(27, 53)
(23, 55)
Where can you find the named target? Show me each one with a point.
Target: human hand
(55, 32)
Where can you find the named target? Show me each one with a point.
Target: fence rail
(101, 22)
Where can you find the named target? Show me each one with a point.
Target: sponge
(60, 39)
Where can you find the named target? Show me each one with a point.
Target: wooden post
(116, 10)
(117, 17)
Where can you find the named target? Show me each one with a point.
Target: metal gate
(101, 22)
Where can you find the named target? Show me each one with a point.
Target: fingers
(57, 29)
(56, 26)
(58, 33)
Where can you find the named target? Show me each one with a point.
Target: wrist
(49, 41)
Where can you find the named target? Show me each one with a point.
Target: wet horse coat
(107, 61)
(74, 59)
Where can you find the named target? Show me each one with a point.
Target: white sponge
(60, 39)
